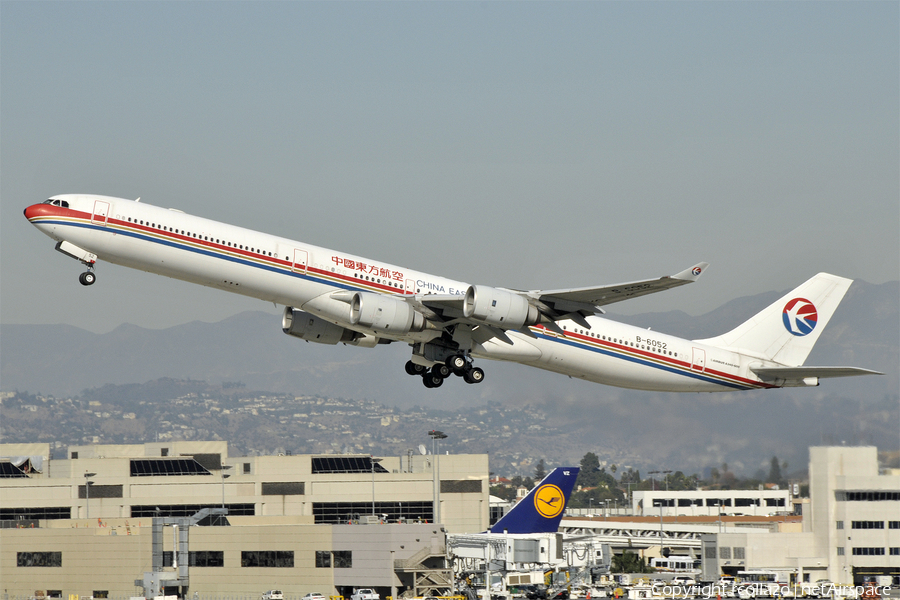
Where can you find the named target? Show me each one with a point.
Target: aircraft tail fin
(786, 331)
(542, 509)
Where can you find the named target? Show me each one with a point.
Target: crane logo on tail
(549, 501)
(800, 316)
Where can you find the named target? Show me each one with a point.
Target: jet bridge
(155, 581)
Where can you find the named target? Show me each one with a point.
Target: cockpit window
(61, 203)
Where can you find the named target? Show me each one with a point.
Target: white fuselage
(275, 269)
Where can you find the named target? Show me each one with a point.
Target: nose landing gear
(458, 364)
(87, 278)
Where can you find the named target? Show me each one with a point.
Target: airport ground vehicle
(365, 594)
(273, 595)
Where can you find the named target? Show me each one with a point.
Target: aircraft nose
(36, 210)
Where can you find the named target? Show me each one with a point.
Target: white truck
(365, 594)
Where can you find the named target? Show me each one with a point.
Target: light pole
(606, 510)
(224, 477)
(590, 507)
(436, 436)
(87, 493)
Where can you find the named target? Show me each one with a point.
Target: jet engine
(313, 329)
(499, 308)
(384, 314)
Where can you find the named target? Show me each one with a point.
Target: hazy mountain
(250, 347)
(629, 426)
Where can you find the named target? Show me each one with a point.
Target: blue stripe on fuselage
(641, 361)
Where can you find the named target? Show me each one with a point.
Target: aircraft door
(410, 286)
(300, 260)
(698, 362)
(101, 212)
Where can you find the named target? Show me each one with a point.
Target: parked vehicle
(314, 596)
(273, 595)
(365, 594)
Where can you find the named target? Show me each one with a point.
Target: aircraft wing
(553, 305)
(580, 298)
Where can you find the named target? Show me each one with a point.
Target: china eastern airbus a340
(333, 297)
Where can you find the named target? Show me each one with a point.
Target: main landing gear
(87, 278)
(458, 365)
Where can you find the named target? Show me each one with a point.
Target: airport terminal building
(109, 521)
(851, 527)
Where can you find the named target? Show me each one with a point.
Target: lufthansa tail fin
(786, 331)
(542, 509)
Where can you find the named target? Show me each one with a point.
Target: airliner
(333, 297)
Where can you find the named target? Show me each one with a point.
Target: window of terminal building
(738, 552)
(188, 510)
(54, 593)
(461, 486)
(868, 551)
(323, 559)
(283, 488)
(839, 525)
(267, 558)
(840, 551)
(710, 552)
(337, 513)
(246, 468)
(893, 524)
(100, 594)
(661, 502)
(866, 496)
(34, 514)
(867, 524)
(718, 501)
(199, 558)
(101, 491)
(163, 451)
(748, 502)
(343, 559)
(74, 455)
(895, 552)
(774, 501)
(38, 559)
(725, 552)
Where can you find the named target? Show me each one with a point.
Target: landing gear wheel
(457, 364)
(476, 375)
(87, 278)
(432, 381)
(414, 369)
(439, 370)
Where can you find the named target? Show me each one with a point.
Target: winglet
(692, 274)
(542, 509)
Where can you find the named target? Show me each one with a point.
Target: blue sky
(528, 145)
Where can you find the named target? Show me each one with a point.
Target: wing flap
(798, 373)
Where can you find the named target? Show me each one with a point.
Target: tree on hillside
(775, 472)
(590, 469)
(540, 471)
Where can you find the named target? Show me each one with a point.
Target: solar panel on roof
(345, 464)
(149, 467)
(7, 469)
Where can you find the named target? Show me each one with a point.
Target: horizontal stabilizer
(542, 509)
(797, 373)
